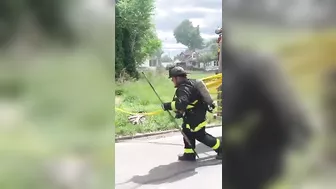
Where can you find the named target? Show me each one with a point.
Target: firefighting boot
(187, 157)
(219, 154)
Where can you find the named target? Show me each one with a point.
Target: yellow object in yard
(213, 83)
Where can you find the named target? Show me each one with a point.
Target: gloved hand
(166, 106)
(211, 107)
(178, 115)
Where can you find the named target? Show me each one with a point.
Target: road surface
(152, 164)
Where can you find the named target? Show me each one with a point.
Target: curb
(121, 138)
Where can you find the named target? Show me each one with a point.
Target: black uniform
(188, 101)
(257, 104)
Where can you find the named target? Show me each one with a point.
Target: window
(215, 63)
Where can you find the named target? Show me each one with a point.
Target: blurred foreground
(57, 99)
(307, 57)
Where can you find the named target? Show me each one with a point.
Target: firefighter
(189, 105)
(258, 104)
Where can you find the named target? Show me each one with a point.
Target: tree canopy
(207, 57)
(136, 38)
(188, 35)
(211, 53)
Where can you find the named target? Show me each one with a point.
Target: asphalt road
(152, 164)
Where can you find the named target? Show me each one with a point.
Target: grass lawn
(138, 96)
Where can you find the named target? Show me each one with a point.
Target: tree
(207, 57)
(136, 39)
(188, 35)
(166, 58)
(211, 42)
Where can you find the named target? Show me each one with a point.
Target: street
(152, 164)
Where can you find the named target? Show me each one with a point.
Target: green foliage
(207, 57)
(119, 58)
(188, 35)
(210, 42)
(150, 46)
(136, 39)
(212, 54)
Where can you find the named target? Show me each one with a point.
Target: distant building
(153, 63)
(210, 66)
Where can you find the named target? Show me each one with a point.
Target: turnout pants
(200, 135)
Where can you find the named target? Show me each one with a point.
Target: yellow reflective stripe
(188, 107)
(192, 104)
(216, 145)
(172, 104)
(188, 151)
(199, 126)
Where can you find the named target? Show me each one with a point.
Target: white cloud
(205, 13)
(169, 42)
(198, 22)
(207, 36)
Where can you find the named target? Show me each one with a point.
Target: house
(210, 66)
(188, 59)
(153, 63)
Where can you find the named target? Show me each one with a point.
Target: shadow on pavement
(174, 171)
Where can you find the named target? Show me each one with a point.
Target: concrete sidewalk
(152, 164)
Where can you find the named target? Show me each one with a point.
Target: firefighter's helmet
(177, 71)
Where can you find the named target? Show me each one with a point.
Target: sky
(170, 13)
